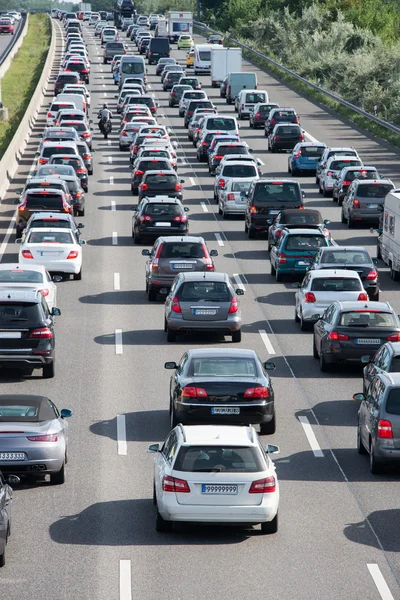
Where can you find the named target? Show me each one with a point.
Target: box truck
(179, 22)
(161, 28)
(224, 61)
(389, 238)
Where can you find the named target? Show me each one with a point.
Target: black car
(193, 104)
(171, 79)
(295, 218)
(385, 360)
(27, 331)
(159, 48)
(159, 216)
(226, 386)
(62, 80)
(280, 115)
(285, 137)
(260, 113)
(162, 62)
(354, 258)
(176, 94)
(347, 331)
(86, 155)
(161, 183)
(266, 198)
(146, 164)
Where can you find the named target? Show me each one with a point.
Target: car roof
(349, 306)
(218, 435)
(345, 273)
(345, 249)
(305, 231)
(50, 230)
(17, 295)
(289, 212)
(45, 179)
(205, 276)
(22, 267)
(232, 352)
(64, 143)
(50, 215)
(173, 239)
(158, 199)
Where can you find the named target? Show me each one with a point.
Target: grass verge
(21, 79)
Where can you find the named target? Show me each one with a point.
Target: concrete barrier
(11, 158)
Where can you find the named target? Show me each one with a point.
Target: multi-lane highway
(94, 537)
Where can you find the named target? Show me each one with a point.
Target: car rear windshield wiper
(358, 325)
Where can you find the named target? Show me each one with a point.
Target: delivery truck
(224, 61)
(389, 238)
(179, 22)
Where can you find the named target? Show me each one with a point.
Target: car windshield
(373, 190)
(312, 151)
(239, 171)
(225, 124)
(342, 257)
(11, 312)
(336, 284)
(53, 237)
(211, 291)
(31, 409)
(367, 318)
(182, 250)
(20, 276)
(162, 210)
(241, 186)
(222, 367)
(205, 55)
(227, 459)
(305, 242)
(129, 68)
(277, 192)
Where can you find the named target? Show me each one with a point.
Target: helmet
(105, 105)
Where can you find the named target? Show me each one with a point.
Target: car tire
(154, 495)
(237, 336)
(378, 252)
(272, 269)
(59, 477)
(48, 371)
(350, 222)
(278, 276)
(270, 527)
(315, 351)
(393, 273)
(251, 233)
(152, 295)
(323, 365)
(360, 446)
(78, 276)
(304, 326)
(3, 559)
(171, 335)
(342, 217)
(374, 297)
(326, 193)
(163, 526)
(296, 316)
(375, 466)
(268, 428)
(136, 239)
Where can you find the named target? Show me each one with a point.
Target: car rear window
(241, 186)
(51, 222)
(74, 116)
(194, 95)
(44, 200)
(207, 291)
(160, 153)
(50, 151)
(355, 257)
(254, 97)
(173, 76)
(130, 68)
(229, 459)
(115, 46)
(231, 149)
(222, 367)
(338, 165)
(78, 125)
(277, 192)
(336, 284)
(205, 55)
(239, 171)
(55, 170)
(304, 242)
(55, 107)
(143, 100)
(153, 165)
(284, 115)
(73, 162)
(13, 312)
(366, 318)
(225, 124)
(20, 276)
(29, 409)
(361, 174)
(182, 250)
(289, 130)
(302, 219)
(161, 179)
(162, 209)
(51, 237)
(373, 190)
(312, 151)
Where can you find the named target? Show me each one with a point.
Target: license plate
(216, 488)
(12, 455)
(274, 212)
(303, 263)
(10, 335)
(204, 311)
(225, 410)
(166, 224)
(372, 205)
(181, 266)
(368, 341)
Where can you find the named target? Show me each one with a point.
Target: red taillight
(139, 172)
(143, 218)
(190, 391)
(330, 173)
(301, 137)
(372, 275)
(144, 187)
(44, 292)
(52, 437)
(257, 392)
(234, 307)
(394, 338)
(27, 254)
(282, 259)
(173, 94)
(253, 210)
(335, 336)
(356, 203)
(230, 197)
(181, 218)
(218, 156)
(178, 187)
(41, 333)
(73, 254)
(257, 115)
(263, 486)
(175, 306)
(297, 155)
(221, 184)
(309, 297)
(81, 170)
(49, 114)
(173, 484)
(278, 233)
(86, 134)
(276, 138)
(362, 297)
(385, 429)
(203, 143)
(346, 182)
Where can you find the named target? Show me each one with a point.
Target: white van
(131, 66)
(247, 99)
(77, 99)
(202, 58)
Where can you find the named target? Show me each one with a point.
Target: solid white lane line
(110, 160)
(104, 85)
(310, 435)
(118, 342)
(219, 239)
(238, 281)
(192, 181)
(380, 582)
(114, 238)
(267, 342)
(149, 87)
(9, 233)
(122, 447)
(204, 206)
(111, 180)
(117, 281)
(125, 585)
(113, 205)
(310, 137)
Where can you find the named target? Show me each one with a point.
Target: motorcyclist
(104, 115)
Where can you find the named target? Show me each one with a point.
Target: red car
(6, 26)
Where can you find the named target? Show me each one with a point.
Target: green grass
(21, 79)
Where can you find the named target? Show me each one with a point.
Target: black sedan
(161, 183)
(141, 165)
(159, 216)
(217, 386)
(285, 137)
(347, 331)
(295, 218)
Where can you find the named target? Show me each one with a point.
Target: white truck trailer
(178, 23)
(389, 239)
(224, 61)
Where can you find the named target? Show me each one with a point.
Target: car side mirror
(170, 365)
(82, 242)
(15, 201)
(213, 252)
(57, 278)
(272, 449)
(66, 413)
(375, 261)
(358, 397)
(90, 120)
(239, 292)
(145, 252)
(13, 479)
(19, 190)
(303, 194)
(152, 448)
(55, 312)
(327, 222)
(269, 365)
(182, 180)
(186, 208)
(365, 359)
(296, 284)
(18, 240)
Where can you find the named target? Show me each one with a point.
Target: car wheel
(59, 477)
(48, 371)
(360, 446)
(154, 495)
(78, 276)
(342, 217)
(136, 239)
(270, 526)
(326, 193)
(374, 297)
(278, 276)
(294, 172)
(171, 335)
(3, 558)
(163, 526)
(315, 351)
(350, 222)
(172, 416)
(152, 295)
(237, 336)
(165, 325)
(268, 428)
(323, 365)
(296, 316)
(375, 466)
(251, 233)
(304, 326)
(272, 269)
(378, 252)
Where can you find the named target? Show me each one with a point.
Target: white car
(247, 99)
(215, 474)
(187, 97)
(330, 173)
(77, 88)
(234, 169)
(157, 152)
(29, 277)
(57, 249)
(320, 288)
(54, 108)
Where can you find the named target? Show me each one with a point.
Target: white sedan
(320, 288)
(29, 277)
(57, 249)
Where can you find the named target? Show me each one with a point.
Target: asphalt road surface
(94, 538)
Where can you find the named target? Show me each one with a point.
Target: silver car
(128, 134)
(34, 437)
(232, 199)
(203, 302)
(5, 513)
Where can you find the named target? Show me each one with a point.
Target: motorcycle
(105, 127)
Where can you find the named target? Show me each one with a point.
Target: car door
(301, 292)
(5, 505)
(376, 399)
(364, 413)
(375, 366)
(274, 253)
(163, 462)
(323, 326)
(175, 385)
(347, 200)
(52, 298)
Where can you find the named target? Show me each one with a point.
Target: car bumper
(253, 413)
(351, 355)
(225, 327)
(57, 266)
(162, 231)
(36, 361)
(230, 208)
(284, 145)
(385, 452)
(169, 193)
(359, 215)
(41, 460)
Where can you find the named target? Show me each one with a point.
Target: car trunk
(177, 265)
(198, 497)
(325, 299)
(224, 390)
(367, 339)
(204, 310)
(49, 251)
(13, 435)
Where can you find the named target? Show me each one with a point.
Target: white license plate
(372, 205)
(10, 335)
(166, 224)
(204, 311)
(216, 488)
(303, 263)
(225, 410)
(274, 212)
(368, 341)
(181, 266)
(12, 455)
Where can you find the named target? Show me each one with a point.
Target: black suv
(160, 183)
(266, 198)
(27, 331)
(142, 165)
(159, 216)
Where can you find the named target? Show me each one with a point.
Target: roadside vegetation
(20, 81)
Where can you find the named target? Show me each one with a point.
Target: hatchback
(364, 201)
(329, 174)
(280, 115)
(333, 151)
(187, 96)
(346, 176)
(80, 67)
(192, 81)
(142, 165)
(171, 79)
(159, 216)
(156, 183)
(385, 360)
(75, 161)
(38, 200)
(223, 149)
(232, 199)
(304, 157)
(295, 218)
(295, 250)
(246, 100)
(259, 113)
(172, 255)
(162, 62)
(285, 137)
(64, 78)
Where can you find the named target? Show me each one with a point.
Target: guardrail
(14, 45)
(382, 122)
